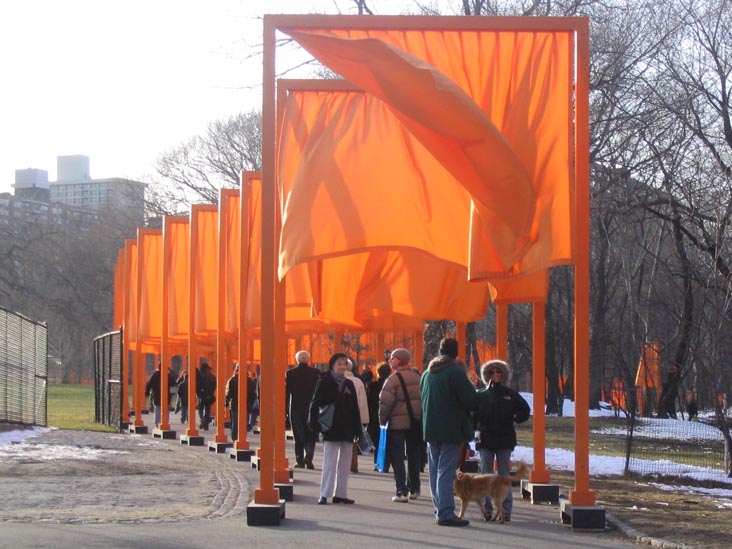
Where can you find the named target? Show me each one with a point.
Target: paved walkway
(109, 490)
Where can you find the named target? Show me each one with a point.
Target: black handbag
(416, 424)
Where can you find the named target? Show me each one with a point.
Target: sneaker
(400, 499)
(414, 495)
(453, 522)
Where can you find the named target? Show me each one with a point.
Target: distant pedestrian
(383, 371)
(206, 391)
(153, 387)
(232, 401)
(447, 398)
(363, 408)
(182, 390)
(299, 387)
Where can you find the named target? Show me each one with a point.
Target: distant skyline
(122, 82)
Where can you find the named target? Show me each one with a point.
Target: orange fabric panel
(522, 85)
(232, 261)
(119, 289)
(177, 241)
(130, 324)
(325, 145)
(150, 305)
(206, 305)
(525, 289)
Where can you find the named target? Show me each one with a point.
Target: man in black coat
(300, 386)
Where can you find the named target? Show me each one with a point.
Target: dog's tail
(522, 470)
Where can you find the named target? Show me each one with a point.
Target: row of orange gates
(375, 211)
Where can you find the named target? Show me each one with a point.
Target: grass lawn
(72, 407)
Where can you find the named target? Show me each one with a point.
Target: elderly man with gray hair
(300, 386)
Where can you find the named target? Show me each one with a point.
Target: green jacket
(447, 399)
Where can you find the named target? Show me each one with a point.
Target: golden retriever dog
(477, 487)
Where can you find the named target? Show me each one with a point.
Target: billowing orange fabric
(150, 304)
(176, 240)
(521, 83)
(206, 271)
(525, 289)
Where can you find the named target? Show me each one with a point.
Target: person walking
(334, 388)
(363, 409)
(153, 387)
(182, 390)
(499, 408)
(206, 392)
(383, 371)
(447, 398)
(300, 386)
(232, 401)
(400, 404)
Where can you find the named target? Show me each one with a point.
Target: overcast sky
(121, 82)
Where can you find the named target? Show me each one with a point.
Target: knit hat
(495, 365)
(302, 357)
(404, 356)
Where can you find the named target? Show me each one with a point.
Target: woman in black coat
(498, 409)
(333, 388)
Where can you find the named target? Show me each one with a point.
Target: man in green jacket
(447, 398)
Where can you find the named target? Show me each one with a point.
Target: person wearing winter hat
(299, 388)
(334, 388)
(499, 407)
(401, 414)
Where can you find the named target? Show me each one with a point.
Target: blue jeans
(443, 460)
(395, 441)
(156, 408)
(503, 456)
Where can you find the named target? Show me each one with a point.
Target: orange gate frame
(579, 27)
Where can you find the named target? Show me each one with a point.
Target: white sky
(19, 445)
(122, 82)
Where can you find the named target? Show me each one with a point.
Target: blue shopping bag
(381, 451)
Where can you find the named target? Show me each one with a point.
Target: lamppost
(387, 355)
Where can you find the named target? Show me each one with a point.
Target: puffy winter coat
(347, 419)
(498, 408)
(393, 405)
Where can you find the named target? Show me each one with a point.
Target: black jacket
(498, 408)
(346, 420)
(300, 386)
(153, 385)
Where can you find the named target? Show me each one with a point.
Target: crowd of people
(428, 419)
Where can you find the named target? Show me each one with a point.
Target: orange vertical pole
(539, 472)
(267, 493)
(502, 330)
(419, 350)
(192, 343)
(138, 379)
(461, 334)
(380, 343)
(244, 356)
(222, 369)
(126, 337)
(164, 351)
(281, 465)
(581, 495)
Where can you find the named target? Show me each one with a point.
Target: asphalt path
(72, 489)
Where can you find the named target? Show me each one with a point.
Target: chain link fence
(23, 370)
(107, 379)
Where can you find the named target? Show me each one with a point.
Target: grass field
(72, 407)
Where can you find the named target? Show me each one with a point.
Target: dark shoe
(310, 465)
(354, 470)
(299, 466)
(336, 499)
(506, 518)
(453, 522)
(322, 501)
